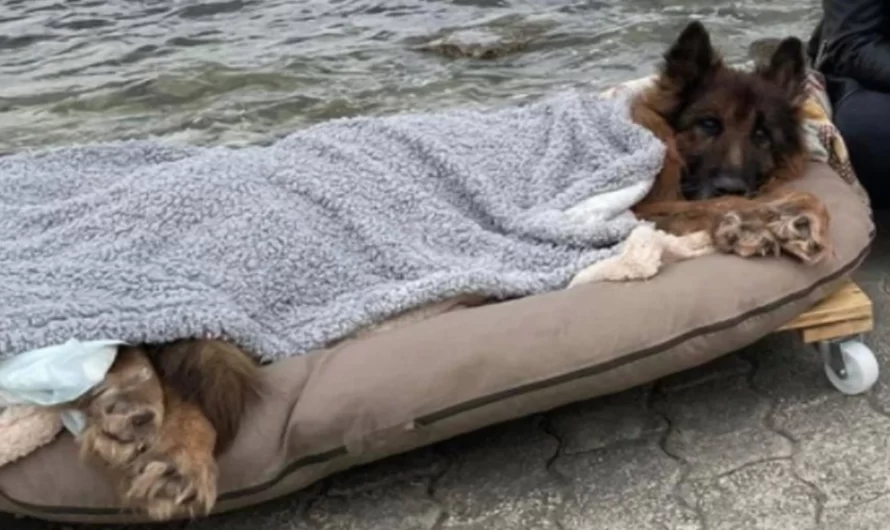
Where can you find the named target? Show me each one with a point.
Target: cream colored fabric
(643, 254)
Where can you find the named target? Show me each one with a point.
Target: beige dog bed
(429, 380)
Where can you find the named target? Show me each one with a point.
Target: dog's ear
(787, 68)
(691, 58)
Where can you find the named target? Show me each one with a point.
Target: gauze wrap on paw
(55, 375)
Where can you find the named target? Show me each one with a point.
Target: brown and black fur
(160, 418)
(734, 142)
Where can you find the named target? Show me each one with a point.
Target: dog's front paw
(172, 482)
(746, 234)
(801, 227)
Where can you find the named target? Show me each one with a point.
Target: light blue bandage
(57, 374)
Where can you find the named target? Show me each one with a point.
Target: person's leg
(863, 119)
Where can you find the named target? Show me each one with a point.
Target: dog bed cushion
(387, 393)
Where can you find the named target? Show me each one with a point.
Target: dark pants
(863, 118)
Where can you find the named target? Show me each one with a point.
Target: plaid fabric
(824, 141)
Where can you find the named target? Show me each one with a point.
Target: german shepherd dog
(734, 138)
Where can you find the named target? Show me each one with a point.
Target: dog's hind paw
(177, 476)
(746, 234)
(125, 413)
(173, 482)
(120, 432)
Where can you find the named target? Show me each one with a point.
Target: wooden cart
(836, 327)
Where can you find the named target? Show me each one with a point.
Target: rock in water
(477, 43)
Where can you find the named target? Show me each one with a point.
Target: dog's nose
(731, 186)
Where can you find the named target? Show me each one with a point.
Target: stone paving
(756, 440)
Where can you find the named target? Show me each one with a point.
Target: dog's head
(733, 128)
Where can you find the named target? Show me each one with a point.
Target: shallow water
(245, 71)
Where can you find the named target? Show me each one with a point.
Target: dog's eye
(760, 137)
(710, 126)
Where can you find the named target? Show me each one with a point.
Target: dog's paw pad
(120, 429)
(745, 234)
(799, 234)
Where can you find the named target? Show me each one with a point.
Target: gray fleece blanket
(287, 247)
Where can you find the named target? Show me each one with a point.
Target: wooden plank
(849, 303)
(847, 328)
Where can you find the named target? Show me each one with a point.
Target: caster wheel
(852, 368)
